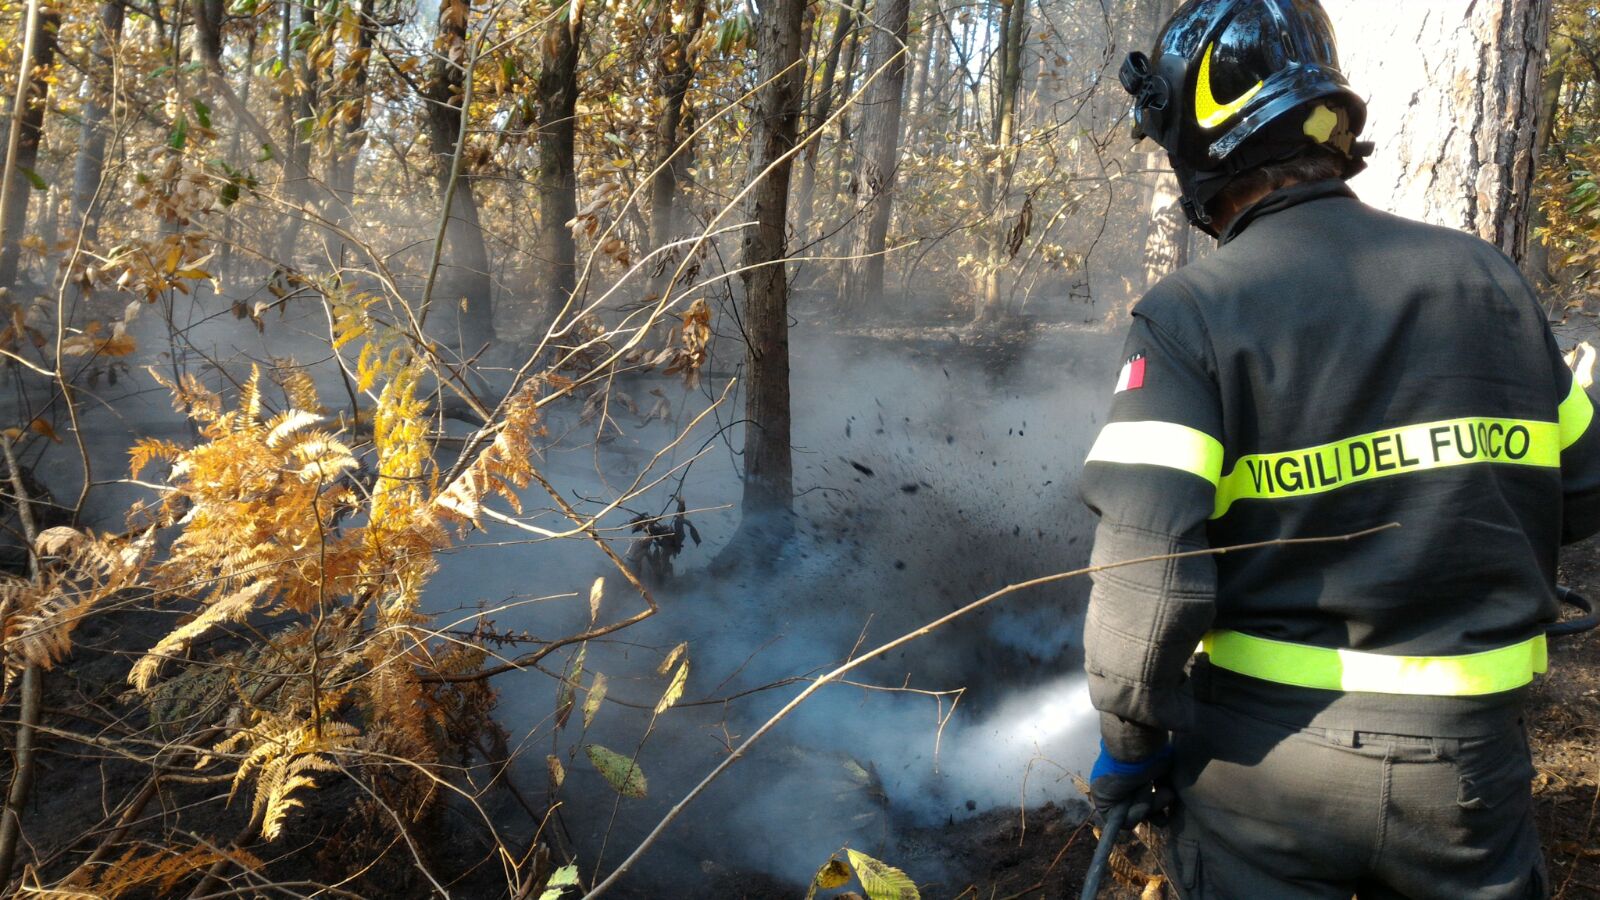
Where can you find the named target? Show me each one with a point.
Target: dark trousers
(1277, 812)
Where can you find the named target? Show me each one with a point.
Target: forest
(563, 448)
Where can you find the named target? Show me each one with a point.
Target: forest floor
(1003, 854)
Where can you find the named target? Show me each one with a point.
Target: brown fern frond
(250, 400)
(300, 390)
(230, 608)
(287, 424)
(149, 450)
(164, 869)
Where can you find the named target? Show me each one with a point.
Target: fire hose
(1118, 816)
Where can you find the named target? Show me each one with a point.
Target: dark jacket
(1329, 369)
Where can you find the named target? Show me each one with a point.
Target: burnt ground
(998, 855)
(1564, 724)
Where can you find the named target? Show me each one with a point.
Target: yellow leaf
(596, 696)
(881, 880)
(680, 680)
(666, 664)
(833, 874)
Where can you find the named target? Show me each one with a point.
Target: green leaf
(834, 873)
(563, 878)
(266, 153)
(202, 112)
(880, 880)
(34, 178)
(180, 132)
(618, 770)
(229, 195)
(596, 696)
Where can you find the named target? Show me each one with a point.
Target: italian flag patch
(1132, 377)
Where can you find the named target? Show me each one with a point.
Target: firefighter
(1351, 723)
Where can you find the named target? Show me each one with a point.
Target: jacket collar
(1283, 198)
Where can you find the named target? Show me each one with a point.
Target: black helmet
(1237, 84)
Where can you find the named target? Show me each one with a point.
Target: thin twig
(908, 637)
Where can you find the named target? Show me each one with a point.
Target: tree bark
(1536, 262)
(348, 151)
(462, 313)
(297, 107)
(1455, 90)
(917, 87)
(94, 133)
(821, 108)
(1166, 244)
(769, 470)
(676, 71)
(1001, 157)
(878, 157)
(31, 99)
(558, 184)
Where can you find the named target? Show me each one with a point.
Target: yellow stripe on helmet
(1207, 111)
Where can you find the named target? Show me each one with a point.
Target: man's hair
(1315, 163)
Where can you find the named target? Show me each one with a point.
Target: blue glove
(1113, 782)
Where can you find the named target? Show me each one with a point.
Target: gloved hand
(1113, 782)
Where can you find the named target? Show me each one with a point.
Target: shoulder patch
(1132, 376)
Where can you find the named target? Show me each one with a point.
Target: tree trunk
(676, 71)
(297, 108)
(852, 55)
(94, 133)
(1455, 91)
(461, 313)
(1536, 264)
(348, 150)
(558, 184)
(821, 108)
(997, 186)
(879, 156)
(1166, 244)
(769, 470)
(33, 95)
(917, 88)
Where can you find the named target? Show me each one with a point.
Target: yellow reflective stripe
(1159, 444)
(1576, 414)
(1393, 451)
(1207, 111)
(1302, 665)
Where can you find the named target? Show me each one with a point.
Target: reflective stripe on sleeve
(1393, 451)
(1302, 665)
(1576, 414)
(1164, 444)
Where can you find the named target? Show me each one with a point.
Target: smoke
(929, 474)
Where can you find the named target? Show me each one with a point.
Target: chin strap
(1197, 216)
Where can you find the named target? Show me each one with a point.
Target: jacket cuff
(1130, 741)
